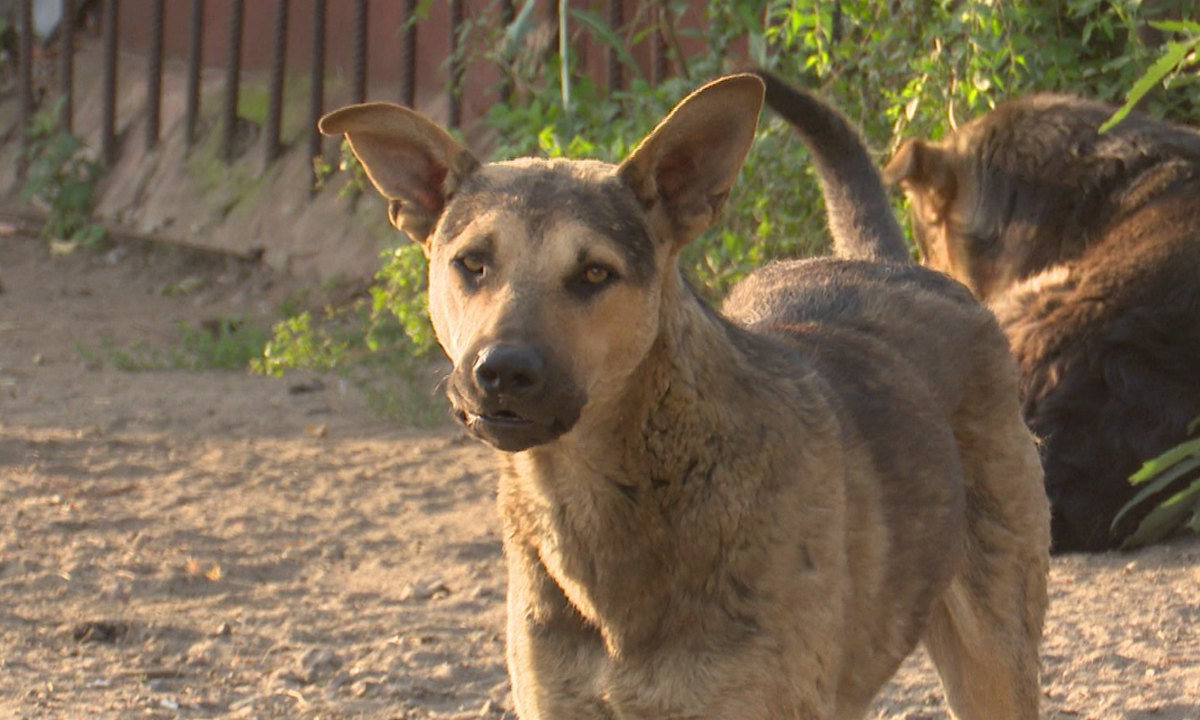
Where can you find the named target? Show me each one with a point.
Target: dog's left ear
(411, 161)
(683, 170)
(926, 170)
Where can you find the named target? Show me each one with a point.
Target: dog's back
(870, 286)
(1086, 247)
(897, 340)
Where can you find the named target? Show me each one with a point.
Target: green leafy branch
(1177, 56)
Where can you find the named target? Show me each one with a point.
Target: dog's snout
(508, 370)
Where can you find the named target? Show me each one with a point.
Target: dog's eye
(596, 274)
(591, 280)
(471, 263)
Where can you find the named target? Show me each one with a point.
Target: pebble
(317, 665)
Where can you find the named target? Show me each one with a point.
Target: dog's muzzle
(513, 398)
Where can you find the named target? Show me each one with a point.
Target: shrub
(62, 177)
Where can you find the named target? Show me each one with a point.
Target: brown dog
(751, 516)
(1088, 249)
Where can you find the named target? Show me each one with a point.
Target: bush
(62, 177)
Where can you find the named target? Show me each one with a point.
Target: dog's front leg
(555, 659)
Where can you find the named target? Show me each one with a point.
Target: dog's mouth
(512, 403)
(514, 429)
(510, 431)
(503, 418)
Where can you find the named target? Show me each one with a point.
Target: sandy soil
(212, 544)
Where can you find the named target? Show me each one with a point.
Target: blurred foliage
(62, 178)
(380, 343)
(218, 344)
(1175, 474)
(1178, 56)
(897, 69)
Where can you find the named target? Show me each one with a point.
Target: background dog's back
(1087, 248)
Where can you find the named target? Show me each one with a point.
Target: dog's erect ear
(411, 161)
(924, 169)
(683, 170)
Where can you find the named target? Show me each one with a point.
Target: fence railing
(407, 32)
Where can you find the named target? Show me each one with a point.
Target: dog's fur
(748, 516)
(1087, 247)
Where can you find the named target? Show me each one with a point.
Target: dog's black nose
(508, 370)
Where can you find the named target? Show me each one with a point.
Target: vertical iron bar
(508, 13)
(317, 97)
(658, 51)
(154, 82)
(275, 99)
(66, 65)
(359, 71)
(195, 63)
(456, 63)
(616, 22)
(108, 132)
(233, 71)
(408, 54)
(25, 68)
(564, 64)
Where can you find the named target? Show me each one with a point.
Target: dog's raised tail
(860, 217)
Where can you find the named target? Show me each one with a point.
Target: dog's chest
(603, 549)
(569, 574)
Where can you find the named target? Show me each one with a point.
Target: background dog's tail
(860, 217)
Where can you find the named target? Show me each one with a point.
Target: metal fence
(109, 12)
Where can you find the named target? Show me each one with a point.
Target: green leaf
(1166, 518)
(1158, 464)
(1165, 65)
(1173, 473)
(1179, 26)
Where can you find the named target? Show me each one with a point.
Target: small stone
(429, 589)
(101, 631)
(317, 665)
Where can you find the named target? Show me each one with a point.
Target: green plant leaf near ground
(62, 177)
(378, 350)
(1158, 475)
(218, 344)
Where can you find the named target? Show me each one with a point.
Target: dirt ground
(215, 544)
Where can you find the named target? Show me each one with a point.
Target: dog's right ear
(411, 161)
